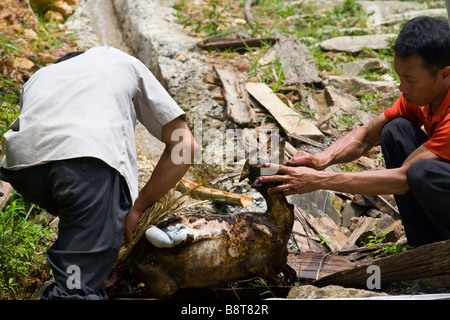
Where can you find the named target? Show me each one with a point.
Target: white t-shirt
(87, 107)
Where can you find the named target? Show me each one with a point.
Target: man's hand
(131, 223)
(302, 158)
(294, 180)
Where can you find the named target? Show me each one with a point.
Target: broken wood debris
(235, 94)
(422, 262)
(382, 204)
(248, 13)
(295, 58)
(215, 195)
(330, 257)
(311, 266)
(328, 230)
(341, 224)
(226, 176)
(243, 44)
(289, 120)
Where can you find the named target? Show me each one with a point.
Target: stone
(5, 193)
(268, 58)
(342, 100)
(63, 7)
(320, 203)
(396, 232)
(356, 84)
(389, 8)
(296, 61)
(24, 63)
(54, 16)
(330, 292)
(397, 18)
(30, 34)
(73, 2)
(379, 223)
(7, 14)
(354, 68)
(350, 210)
(355, 44)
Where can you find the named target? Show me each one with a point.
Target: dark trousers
(91, 200)
(425, 209)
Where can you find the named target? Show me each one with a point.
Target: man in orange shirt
(417, 162)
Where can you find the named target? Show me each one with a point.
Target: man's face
(418, 85)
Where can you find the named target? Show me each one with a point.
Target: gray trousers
(91, 200)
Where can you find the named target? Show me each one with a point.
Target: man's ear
(446, 73)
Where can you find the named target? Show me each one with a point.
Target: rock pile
(57, 10)
(29, 43)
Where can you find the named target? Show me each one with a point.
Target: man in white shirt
(72, 151)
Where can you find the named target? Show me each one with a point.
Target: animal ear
(245, 171)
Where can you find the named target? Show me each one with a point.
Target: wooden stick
(204, 193)
(248, 14)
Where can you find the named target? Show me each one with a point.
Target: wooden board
(313, 266)
(224, 43)
(238, 107)
(215, 195)
(284, 115)
(327, 228)
(422, 262)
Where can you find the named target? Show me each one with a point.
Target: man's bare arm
(166, 174)
(386, 181)
(346, 149)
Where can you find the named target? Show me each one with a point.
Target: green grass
(9, 99)
(24, 231)
(23, 243)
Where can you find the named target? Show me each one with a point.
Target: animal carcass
(205, 250)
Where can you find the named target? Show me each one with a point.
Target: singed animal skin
(219, 250)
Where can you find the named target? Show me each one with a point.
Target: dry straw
(168, 205)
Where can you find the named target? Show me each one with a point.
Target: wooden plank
(296, 61)
(381, 203)
(306, 243)
(284, 115)
(328, 230)
(238, 106)
(363, 223)
(313, 266)
(224, 43)
(215, 195)
(422, 262)
(296, 137)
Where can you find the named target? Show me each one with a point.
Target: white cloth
(87, 107)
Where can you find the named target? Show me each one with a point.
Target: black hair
(427, 37)
(69, 55)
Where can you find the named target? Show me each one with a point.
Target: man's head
(69, 56)
(422, 59)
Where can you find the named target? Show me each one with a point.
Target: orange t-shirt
(436, 125)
